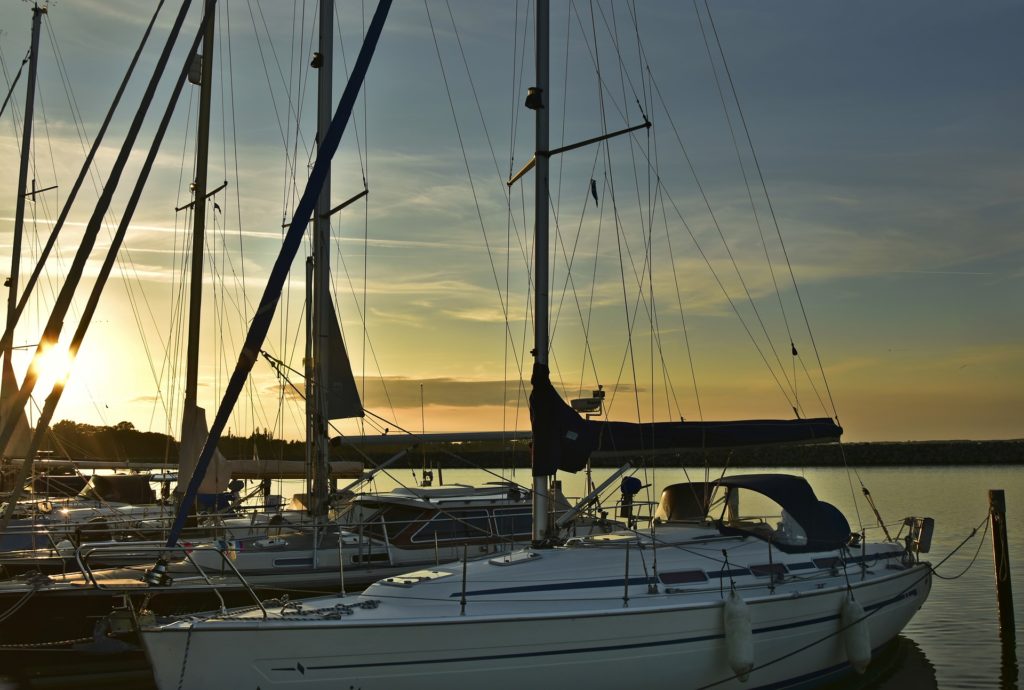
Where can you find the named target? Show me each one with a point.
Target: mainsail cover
(563, 440)
(342, 395)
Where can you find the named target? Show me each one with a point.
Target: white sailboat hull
(659, 638)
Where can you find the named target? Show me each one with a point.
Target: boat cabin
(420, 518)
(119, 488)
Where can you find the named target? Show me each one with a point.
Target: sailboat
(306, 550)
(110, 506)
(710, 596)
(18, 441)
(26, 526)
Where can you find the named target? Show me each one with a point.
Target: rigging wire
(656, 92)
(518, 66)
(176, 337)
(647, 231)
(789, 266)
(11, 84)
(78, 122)
(746, 183)
(369, 341)
(682, 315)
(615, 212)
(238, 206)
(362, 151)
(771, 207)
(511, 223)
(15, 111)
(469, 174)
(366, 219)
(639, 276)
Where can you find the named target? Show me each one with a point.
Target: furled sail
(17, 446)
(217, 475)
(342, 395)
(563, 440)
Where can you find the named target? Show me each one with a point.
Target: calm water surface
(953, 642)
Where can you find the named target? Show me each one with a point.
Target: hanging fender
(855, 633)
(739, 637)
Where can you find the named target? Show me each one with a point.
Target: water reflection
(900, 665)
(1009, 671)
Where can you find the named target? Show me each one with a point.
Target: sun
(52, 366)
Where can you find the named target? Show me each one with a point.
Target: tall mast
(316, 398)
(539, 103)
(19, 209)
(199, 225)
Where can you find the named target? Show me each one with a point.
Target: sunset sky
(888, 135)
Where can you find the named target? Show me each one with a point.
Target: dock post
(1009, 672)
(1001, 557)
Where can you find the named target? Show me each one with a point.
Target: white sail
(196, 432)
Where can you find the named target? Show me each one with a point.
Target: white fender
(856, 636)
(739, 639)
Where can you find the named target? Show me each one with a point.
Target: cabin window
(285, 562)
(513, 521)
(455, 526)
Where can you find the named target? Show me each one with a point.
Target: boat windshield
(758, 515)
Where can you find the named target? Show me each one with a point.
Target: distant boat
(709, 596)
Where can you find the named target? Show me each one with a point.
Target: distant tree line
(123, 441)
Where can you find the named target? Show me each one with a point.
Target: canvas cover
(563, 440)
(342, 395)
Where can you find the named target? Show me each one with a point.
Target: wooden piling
(1001, 558)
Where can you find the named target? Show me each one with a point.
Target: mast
(19, 209)
(260, 325)
(537, 100)
(199, 228)
(316, 383)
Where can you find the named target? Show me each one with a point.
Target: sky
(887, 136)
